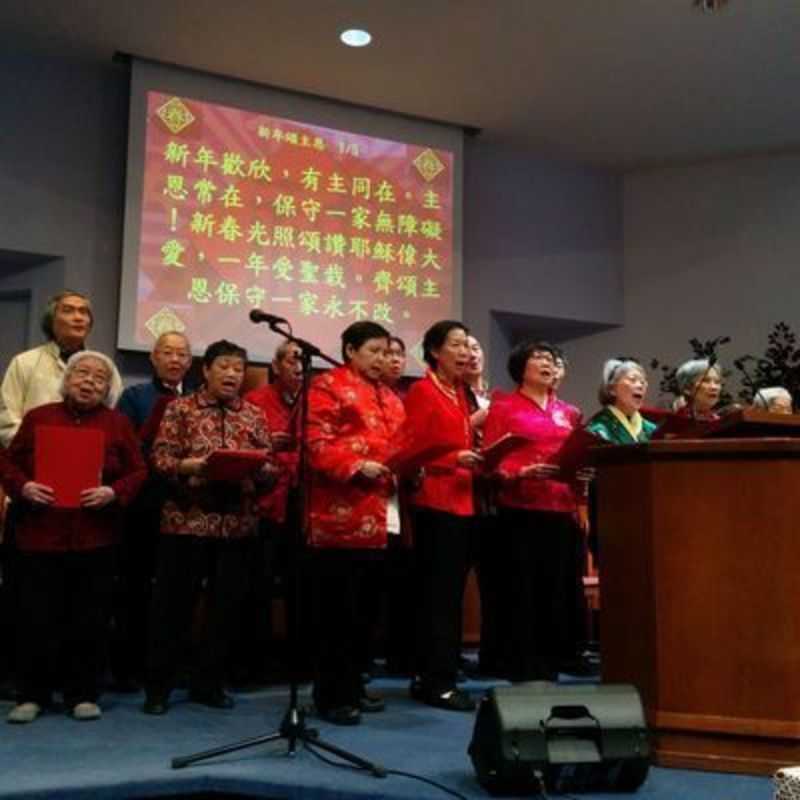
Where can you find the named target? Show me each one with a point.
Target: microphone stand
(293, 727)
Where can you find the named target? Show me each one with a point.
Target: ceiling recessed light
(710, 6)
(354, 37)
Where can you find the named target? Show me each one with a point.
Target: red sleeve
(424, 428)
(134, 470)
(168, 447)
(149, 430)
(329, 452)
(495, 427)
(16, 463)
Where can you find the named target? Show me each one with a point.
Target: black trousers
(8, 613)
(341, 624)
(249, 652)
(64, 602)
(490, 571)
(401, 588)
(444, 546)
(8, 601)
(133, 583)
(183, 562)
(541, 552)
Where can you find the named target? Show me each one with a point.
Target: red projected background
(242, 210)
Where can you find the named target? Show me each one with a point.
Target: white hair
(614, 370)
(687, 373)
(763, 397)
(114, 383)
(162, 336)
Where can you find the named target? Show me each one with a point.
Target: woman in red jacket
(438, 436)
(65, 557)
(353, 419)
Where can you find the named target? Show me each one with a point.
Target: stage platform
(127, 754)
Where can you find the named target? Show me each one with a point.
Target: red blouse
(48, 529)
(434, 416)
(547, 428)
(279, 413)
(350, 420)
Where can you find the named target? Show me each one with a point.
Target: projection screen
(240, 196)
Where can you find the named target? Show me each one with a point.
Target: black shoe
(343, 715)
(371, 703)
(416, 688)
(450, 700)
(213, 698)
(156, 705)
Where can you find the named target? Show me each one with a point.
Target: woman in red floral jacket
(353, 420)
(206, 526)
(438, 424)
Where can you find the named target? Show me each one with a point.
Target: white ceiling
(615, 83)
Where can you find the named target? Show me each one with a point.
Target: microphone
(257, 315)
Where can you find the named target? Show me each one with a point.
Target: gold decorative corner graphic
(175, 115)
(428, 164)
(164, 321)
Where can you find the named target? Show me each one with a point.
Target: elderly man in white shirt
(33, 377)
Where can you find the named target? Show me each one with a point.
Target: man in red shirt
(277, 401)
(254, 658)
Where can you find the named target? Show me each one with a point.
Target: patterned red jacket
(47, 529)
(193, 427)
(350, 420)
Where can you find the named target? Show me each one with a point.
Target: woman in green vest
(622, 393)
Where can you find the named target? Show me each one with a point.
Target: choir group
(403, 489)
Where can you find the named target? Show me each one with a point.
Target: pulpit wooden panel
(699, 571)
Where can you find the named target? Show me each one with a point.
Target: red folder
(408, 460)
(498, 450)
(574, 455)
(68, 460)
(234, 465)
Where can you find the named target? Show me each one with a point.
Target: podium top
(741, 423)
(755, 422)
(774, 447)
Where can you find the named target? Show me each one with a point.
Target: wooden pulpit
(700, 591)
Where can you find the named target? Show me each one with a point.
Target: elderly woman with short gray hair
(774, 399)
(700, 384)
(65, 562)
(622, 394)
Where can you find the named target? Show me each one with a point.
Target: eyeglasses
(539, 356)
(96, 378)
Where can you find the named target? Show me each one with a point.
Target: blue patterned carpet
(127, 754)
